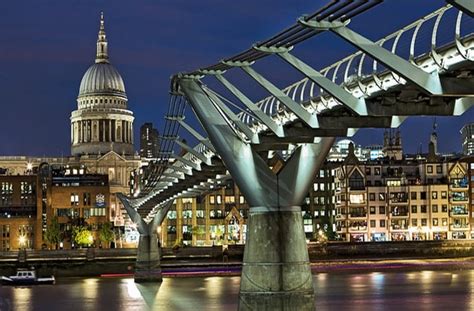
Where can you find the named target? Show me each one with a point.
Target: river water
(420, 290)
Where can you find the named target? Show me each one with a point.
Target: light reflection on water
(424, 290)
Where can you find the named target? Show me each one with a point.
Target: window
(434, 195)
(444, 208)
(382, 223)
(86, 199)
(372, 210)
(423, 209)
(424, 222)
(435, 221)
(439, 169)
(229, 199)
(368, 171)
(413, 195)
(382, 210)
(171, 229)
(356, 181)
(423, 195)
(241, 199)
(356, 198)
(315, 186)
(444, 222)
(430, 169)
(372, 196)
(199, 213)
(444, 194)
(376, 170)
(74, 199)
(414, 209)
(372, 223)
(219, 199)
(414, 222)
(434, 208)
(187, 214)
(172, 215)
(382, 196)
(212, 199)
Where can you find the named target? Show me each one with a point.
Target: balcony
(459, 227)
(358, 215)
(456, 197)
(358, 229)
(399, 227)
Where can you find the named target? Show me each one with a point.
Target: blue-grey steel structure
(301, 119)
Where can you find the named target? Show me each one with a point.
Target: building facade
(149, 141)
(467, 139)
(393, 200)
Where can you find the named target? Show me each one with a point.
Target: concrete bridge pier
(276, 273)
(147, 267)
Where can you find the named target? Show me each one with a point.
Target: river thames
(420, 290)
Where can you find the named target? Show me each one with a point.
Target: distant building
(340, 150)
(29, 202)
(467, 138)
(149, 141)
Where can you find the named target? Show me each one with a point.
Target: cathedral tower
(102, 121)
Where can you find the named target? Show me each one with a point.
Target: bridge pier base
(276, 273)
(147, 266)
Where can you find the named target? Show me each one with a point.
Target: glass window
(434, 195)
(382, 223)
(356, 181)
(212, 199)
(439, 169)
(219, 199)
(414, 209)
(413, 195)
(376, 170)
(444, 195)
(372, 210)
(423, 209)
(372, 196)
(372, 223)
(430, 169)
(444, 221)
(434, 208)
(424, 222)
(444, 208)
(423, 195)
(435, 221)
(199, 213)
(414, 222)
(382, 210)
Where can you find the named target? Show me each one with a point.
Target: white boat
(26, 277)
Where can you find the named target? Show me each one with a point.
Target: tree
(82, 236)
(106, 235)
(53, 233)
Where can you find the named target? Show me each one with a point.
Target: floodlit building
(149, 141)
(467, 139)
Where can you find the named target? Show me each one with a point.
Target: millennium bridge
(423, 69)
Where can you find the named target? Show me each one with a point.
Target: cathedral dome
(102, 79)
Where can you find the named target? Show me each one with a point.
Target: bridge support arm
(344, 97)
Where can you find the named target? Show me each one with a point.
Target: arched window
(356, 181)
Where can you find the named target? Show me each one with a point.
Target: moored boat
(26, 277)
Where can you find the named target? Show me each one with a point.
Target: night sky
(46, 46)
